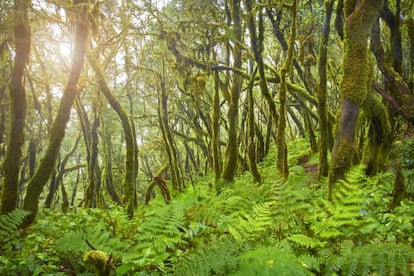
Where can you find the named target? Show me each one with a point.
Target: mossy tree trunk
(17, 98)
(396, 91)
(231, 154)
(92, 192)
(106, 176)
(57, 131)
(256, 41)
(257, 47)
(410, 28)
(379, 142)
(359, 16)
(128, 65)
(170, 145)
(215, 138)
(281, 162)
(128, 183)
(251, 124)
(323, 167)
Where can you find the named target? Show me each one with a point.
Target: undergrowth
(281, 227)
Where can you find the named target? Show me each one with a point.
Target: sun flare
(65, 50)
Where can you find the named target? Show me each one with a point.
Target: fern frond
(218, 257)
(253, 226)
(9, 225)
(380, 259)
(270, 261)
(306, 241)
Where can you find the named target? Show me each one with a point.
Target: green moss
(98, 262)
(342, 161)
(355, 61)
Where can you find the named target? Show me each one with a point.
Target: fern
(343, 217)
(270, 261)
(306, 241)
(370, 259)
(252, 226)
(216, 257)
(290, 199)
(161, 234)
(9, 225)
(72, 245)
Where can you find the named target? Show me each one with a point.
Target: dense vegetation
(189, 137)
(282, 227)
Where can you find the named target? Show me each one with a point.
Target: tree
(359, 17)
(322, 93)
(282, 164)
(57, 131)
(17, 98)
(232, 152)
(129, 178)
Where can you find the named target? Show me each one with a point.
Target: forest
(216, 137)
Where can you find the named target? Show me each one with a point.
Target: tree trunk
(94, 172)
(231, 154)
(17, 96)
(256, 41)
(57, 131)
(282, 162)
(107, 177)
(410, 28)
(251, 124)
(215, 139)
(128, 197)
(377, 148)
(359, 18)
(173, 158)
(323, 167)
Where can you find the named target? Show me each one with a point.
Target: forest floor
(280, 227)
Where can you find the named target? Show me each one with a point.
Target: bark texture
(17, 97)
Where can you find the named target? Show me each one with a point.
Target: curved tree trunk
(17, 96)
(358, 21)
(57, 131)
(128, 197)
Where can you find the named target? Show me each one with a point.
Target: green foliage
(344, 216)
(282, 227)
(216, 257)
(9, 227)
(404, 151)
(270, 261)
(160, 236)
(252, 226)
(369, 259)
